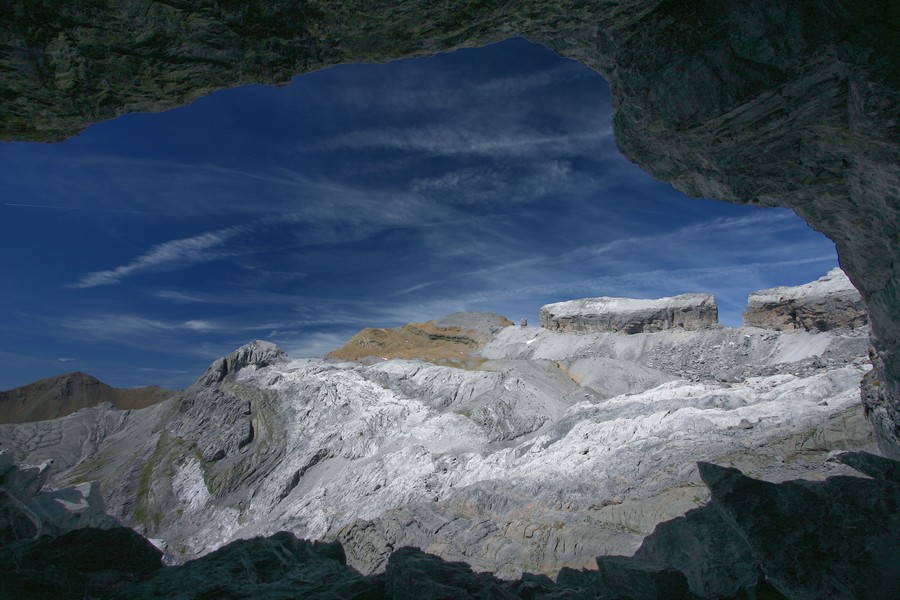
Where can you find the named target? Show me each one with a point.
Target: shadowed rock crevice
(774, 103)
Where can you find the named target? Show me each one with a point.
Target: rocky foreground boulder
(84, 563)
(28, 510)
(631, 315)
(830, 303)
(836, 538)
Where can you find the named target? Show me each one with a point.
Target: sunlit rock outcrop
(252, 356)
(631, 315)
(829, 303)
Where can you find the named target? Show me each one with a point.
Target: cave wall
(774, 102)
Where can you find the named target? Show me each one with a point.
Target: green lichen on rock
(143, 510)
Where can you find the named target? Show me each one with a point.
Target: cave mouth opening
(360, 195)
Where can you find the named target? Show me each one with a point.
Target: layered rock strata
(631, 315)
(823, 305)
(754, 539)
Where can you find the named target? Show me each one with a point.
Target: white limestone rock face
(631, 315)
(556, 449)
(247, 358)
(830, 303)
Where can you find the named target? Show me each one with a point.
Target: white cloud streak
(175, 254)
(455, 140)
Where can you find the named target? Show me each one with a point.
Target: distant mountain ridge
(59, 396)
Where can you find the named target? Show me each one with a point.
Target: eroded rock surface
(828, 303)
(631, 315)
(554, 448)
(753, 539)
(252, 356)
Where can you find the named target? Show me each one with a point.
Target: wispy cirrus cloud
(360, 196)
(352, 88)
(442, 140)
(484, 184)
(113, 326)
(175, 254)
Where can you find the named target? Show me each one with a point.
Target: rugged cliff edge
(29, 510)
(829, 303)
(631, 315)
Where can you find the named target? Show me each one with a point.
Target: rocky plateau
(629, 315)
(550, 450)
(829, 303)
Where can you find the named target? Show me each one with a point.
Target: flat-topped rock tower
(829, 303)
(631, 315)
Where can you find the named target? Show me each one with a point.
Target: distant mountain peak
(58, 396)
(255, 354)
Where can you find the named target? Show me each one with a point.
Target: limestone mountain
(548, 449)
(59, 396)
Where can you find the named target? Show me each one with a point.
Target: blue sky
(360, 195)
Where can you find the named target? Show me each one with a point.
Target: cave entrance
(360, 195)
